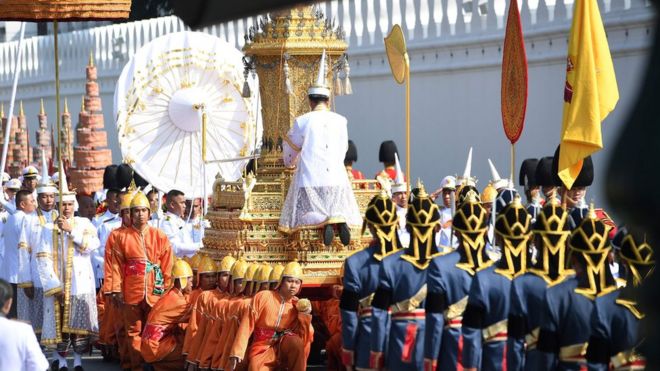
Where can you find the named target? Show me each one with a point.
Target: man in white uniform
(177, 230)
(112, 211)
(103, 231)
(15, 264)
(20, 348)
(320, 194)
(66, 274)
(400, 199)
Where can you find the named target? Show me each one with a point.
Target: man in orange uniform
(328, 311)
(207, 276)
(162, 337)
(143, 259)
(202, 321)
(280, 327)
(112, 333)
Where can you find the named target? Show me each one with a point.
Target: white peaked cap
(66, 194)
(448, 182)
(5, 177)
(45, 185)
(400, 184)
(13, 184)
(497, 181)
(320, 87)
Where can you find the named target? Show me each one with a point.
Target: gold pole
(57, 107)
(408, 180)
(513, 162)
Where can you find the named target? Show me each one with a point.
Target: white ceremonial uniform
(99, 219)
(15, 247)
(180, 235)
(20, 348)
(402, 232)
(98, 255)
(443, 239)
(3, 219)
(197, 226)
(320, 192)
(65, 265)
(40, 222)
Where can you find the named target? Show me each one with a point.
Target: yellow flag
(590, 93)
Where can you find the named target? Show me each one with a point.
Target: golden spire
(91, 59)
(43, 111)
(20, 111)
(2, 110)
(516, 201)
(66, 106)
(422, 191)
(82, 104)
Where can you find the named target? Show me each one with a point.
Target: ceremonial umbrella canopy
(181, 116)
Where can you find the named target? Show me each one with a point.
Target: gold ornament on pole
(397, 56)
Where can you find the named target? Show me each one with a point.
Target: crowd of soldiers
(478, 280)
(549, 285)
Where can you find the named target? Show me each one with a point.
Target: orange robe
(162, 337)
(208, 341)
(223, 330)
(198, 325)
(328, 311)
(139, 258)
(281, 336)
(194, 319)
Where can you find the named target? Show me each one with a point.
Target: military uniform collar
(321, 107)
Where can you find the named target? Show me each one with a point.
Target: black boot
(55, 365)
(344, 234)
(78, 368)
(328, 234)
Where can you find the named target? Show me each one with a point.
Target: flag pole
(57, 108)
(408, 180)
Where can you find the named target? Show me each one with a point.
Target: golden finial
(20, 110)
(82, 104)
(66, 106)
(471, 197)
(592, 211)
(554, 201)
(516, 201)
(43, 111)
(422, 191)
(91, 59)
(2, 110)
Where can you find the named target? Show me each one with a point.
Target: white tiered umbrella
(160, 99)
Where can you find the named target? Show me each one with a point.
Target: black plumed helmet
(140, 182)
(528, 173)
(584, 179)
(110, 177)
(543, 173)
(351, 153)
(387, 151)
(124, 176)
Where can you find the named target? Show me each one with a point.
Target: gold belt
(573, 353)
(409, 305)
(496, 332)
(628, 360)
(532, 338)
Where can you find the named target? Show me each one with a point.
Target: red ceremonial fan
(514, 79)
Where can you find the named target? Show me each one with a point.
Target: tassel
(246, 90)
(287, 80)
(339, 89)
(348, 88)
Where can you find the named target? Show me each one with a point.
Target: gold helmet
(276, 274)
(206, 265)
(381, 214)
(488, 195)
(195, 260)
(252, 271)
(264, 273)
(226, 264)
(239, 269)
(512, 225)
(639, 256)
(125, 201)
(422, 217)
(552, 227)
(182, 271)
(140, 200)
(471, 223)
(591, 245)
(293, 270)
